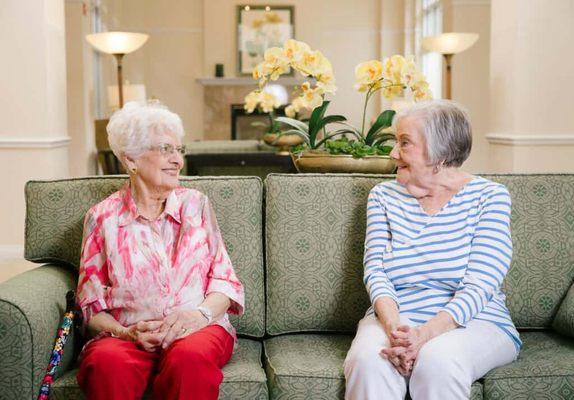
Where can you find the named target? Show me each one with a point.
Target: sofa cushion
(243, 377)
(544, 370)
(315, 229)
(310, 366)
(564, 319)
(542, 267)
(55, 212)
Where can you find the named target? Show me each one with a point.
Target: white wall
(531, 85)
(471, 75)
(33, 133)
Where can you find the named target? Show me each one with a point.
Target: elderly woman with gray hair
(437, 249)
(156, 282)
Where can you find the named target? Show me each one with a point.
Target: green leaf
(384, 120)
(330, 119)
(316, 116)
(294, 123)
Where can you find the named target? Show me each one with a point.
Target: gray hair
(131, 129)
(446, 127)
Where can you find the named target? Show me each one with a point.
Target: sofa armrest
(31, 307)
(564, 319)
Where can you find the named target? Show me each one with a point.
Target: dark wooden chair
(106, 158)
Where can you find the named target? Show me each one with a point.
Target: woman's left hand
(180, 324)
(407, 343)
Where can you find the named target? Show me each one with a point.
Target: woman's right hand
(145, 334)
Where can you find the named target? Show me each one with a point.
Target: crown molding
(34, 142)
(548, 139)
(11, 252)
(470, 2)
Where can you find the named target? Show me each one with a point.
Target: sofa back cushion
(315, 229)
(55, 212)
(542, 225)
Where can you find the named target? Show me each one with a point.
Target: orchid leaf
(329, 120)
(384, 120)
(294, 123)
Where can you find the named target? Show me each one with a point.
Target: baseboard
(11, 252)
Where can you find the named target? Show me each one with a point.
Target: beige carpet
(11, 268)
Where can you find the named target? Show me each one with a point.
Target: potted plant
(347, 148)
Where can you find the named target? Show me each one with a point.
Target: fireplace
(242, 123)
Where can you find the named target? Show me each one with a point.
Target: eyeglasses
(167, 149)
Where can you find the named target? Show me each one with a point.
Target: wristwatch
(206, 312)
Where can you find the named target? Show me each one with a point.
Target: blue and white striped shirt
(453, 261)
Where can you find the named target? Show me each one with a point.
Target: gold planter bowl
(321, 162)
(282, 142)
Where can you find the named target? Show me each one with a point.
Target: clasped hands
(160, 334)
(406, 342)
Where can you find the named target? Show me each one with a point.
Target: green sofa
(297, 243)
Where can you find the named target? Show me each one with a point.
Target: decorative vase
(322, 162)
(282, 142)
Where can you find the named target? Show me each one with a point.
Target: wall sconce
(449, 44)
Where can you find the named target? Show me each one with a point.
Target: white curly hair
(131, 129)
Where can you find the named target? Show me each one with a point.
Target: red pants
(189, 369)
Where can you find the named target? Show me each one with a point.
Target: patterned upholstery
(564, 320)
(56, 209)
(243, 377)
(542, 267)
(315, 227)
(31, 306)
(310, 366)
(544, 370)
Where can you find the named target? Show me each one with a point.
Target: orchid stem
(365, 112)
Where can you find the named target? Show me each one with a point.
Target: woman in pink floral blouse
(156, 283)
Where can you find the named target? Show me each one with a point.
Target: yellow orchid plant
(266, 103)
(311, 94)
(393, 76)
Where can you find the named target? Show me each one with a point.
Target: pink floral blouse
(140, 270)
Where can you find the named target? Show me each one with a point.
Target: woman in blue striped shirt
(437, 249)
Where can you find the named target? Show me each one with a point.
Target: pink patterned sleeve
(221, 277)
(93, 278)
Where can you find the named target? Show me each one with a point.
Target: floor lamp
(119, 44)
(449, 44)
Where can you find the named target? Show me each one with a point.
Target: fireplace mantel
(248, 81)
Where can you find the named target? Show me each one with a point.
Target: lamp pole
(448, 59)
(119, 57)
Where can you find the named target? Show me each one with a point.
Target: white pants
(445, 368)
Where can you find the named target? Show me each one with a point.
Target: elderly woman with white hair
(437, 249)
(156, 282)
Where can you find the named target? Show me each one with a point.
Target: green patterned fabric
(564, 320)
(311, 367)
(544, 370)
(31, 306)
(306, 366)
(243, 377)
(56, 209)
(315, 227)
(543, 237)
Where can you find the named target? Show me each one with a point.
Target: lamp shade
(450, 43)
(117, 42)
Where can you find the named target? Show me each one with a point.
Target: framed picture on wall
(258, 28)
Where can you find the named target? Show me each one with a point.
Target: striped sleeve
(377, 237)
(489, 259)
